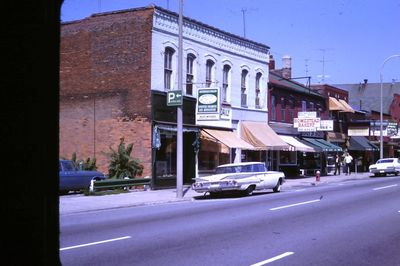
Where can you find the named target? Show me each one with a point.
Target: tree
(122, 164)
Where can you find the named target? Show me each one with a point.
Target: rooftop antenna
(306, 65)
(244, 10)
(323, 76)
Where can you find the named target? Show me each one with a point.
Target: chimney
(271, 63)
(287, 67)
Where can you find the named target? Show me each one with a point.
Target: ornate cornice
(198, 32)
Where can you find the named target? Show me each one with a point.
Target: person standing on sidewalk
(348, 159)
(337, 164)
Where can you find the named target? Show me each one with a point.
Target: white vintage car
(244, 177)
(385, 166)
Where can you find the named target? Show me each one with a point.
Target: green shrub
(122, 164)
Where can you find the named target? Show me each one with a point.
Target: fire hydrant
(317, 175)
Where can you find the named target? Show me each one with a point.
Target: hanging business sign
(208, 104)
(325, 125)
(306, 124)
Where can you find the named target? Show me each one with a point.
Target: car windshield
(240, 169)
(68, 166)
(386, 161)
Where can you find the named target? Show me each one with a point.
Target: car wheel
(249, 190)
(277, 188)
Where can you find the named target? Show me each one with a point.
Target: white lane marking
(273, 259)
(95, 243)
(378, 188)
(293, 205)
(298, 190)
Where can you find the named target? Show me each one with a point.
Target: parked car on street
(385, 166)
(71, 178)
(243, 177)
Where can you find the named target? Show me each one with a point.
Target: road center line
(273, 259)
(378, 188)
(95, 243)
(293, 205)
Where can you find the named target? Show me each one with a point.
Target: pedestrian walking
(337, 164)
(348, 159)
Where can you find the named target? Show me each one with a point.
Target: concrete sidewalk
(81, 203)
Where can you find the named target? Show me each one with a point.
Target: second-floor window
(225, 83)
(258, 89)
(169, 52)
(209, 72)
(244, 88)
(292, 105)
(283, 109)
(303, 105)
(273, 108)
(312, 107)
(189, 74)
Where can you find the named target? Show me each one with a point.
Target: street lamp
(381, 115)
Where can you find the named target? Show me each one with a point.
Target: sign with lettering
(174, 98)
(208, 104)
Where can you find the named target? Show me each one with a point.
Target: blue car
(71, 178)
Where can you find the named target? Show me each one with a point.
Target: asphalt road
(351, 223)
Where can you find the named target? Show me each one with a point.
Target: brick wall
(105, 85)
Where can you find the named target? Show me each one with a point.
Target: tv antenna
(244, 11)
(323, 61)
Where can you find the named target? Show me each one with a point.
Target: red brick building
(104, 86)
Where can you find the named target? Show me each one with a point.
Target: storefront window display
(212, 154)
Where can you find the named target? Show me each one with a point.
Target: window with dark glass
(244, 88)
(258, 90)
(189, 74)
(225, 82)
(304, 105)
(283, 109)
(273, 108)
(292, 105)
(168, 67)
(209, 66)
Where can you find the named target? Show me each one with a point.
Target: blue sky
(333, 41)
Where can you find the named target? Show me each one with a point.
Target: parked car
(243, 177)
(71, 178)
(385, 166)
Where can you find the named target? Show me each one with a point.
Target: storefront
(164, 141)
(290, 158)
(219, 147)
(322, 160)
(266, 142)
(363, 152)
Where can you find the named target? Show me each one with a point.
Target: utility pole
(179, 137)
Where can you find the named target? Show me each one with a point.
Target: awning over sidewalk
(360, 143)
(297, 145)
(262, 136)
(347, 107)
(323, 144)
(228, 138)
(339, 105)
(334, 105)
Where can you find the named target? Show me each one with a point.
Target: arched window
(258, 89)
(209, 72)
(244, 88)
(189, 73)
(169, 52)
(225, 82)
